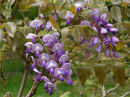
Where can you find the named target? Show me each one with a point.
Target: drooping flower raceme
(105, 38)
(51, 61)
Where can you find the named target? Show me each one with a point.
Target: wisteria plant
(65, 36)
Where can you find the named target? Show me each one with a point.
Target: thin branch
(54, 7)
(126, 94)
(3, 78)
(81, 91)
(103, 91)
(33, 89)
(112, 90)
(106, 93)
(26, 73)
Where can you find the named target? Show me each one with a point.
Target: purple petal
(108, 52)
(115, 54)
(103, 31)
(99, 49)
(115, 39)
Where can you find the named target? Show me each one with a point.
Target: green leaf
(116, 13)
(84, 74)
(100, 72)
(119, 73)
(87, 31)
(66, 94)
(11, 29)
(17, 14)
(55, 24)
(32, 12)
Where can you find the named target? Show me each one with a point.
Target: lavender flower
(49, 40)
(64, 58)
(69, 15)
(108, 26)
(104, 18)
(96, 40)
(58, 73)
(50, 87)
(85, 23)
(108, 52)
(95, 12)
(29, 46)
(51, 64)
(115, 39)
(37, 48)
(115, 54)
(99, 49)
(32, 36)
(37, 24)
(113, 30)
(44, 58)
(49, 26)
(58, 47)
(103, 31)
(41, 16)
(79, 6)
(50, 60)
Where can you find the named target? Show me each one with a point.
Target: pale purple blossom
(69, 15)
(32, 36)
(49, 26)
(36, 24)
(115, 39)
(103, 31)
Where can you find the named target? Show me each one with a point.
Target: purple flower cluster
(51, 58)
(69, 16)
(105, 38)
(37, 24)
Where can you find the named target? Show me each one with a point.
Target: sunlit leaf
(55, 24)
(119, 46)
(25, 4)
(75, 32)
(2, 26)
(86, 31)
(119, 74)
(100, 72)
(73, 9)
(124, 4)
(66, 94)
(32, 12)
(84, 74)
(116, 13)
(11, 28)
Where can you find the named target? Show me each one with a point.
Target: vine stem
(26, 73)
(106, 93)
(33, 89)
(25, 76)
(126, 94)
(3, 78)
(103, 91)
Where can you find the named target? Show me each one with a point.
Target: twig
(23, 82)
(26, 73)
(126, 94)
(33, 89)
(81, 91)
(103, 91)
(3, 78)
(112, 90)
(54, 7)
